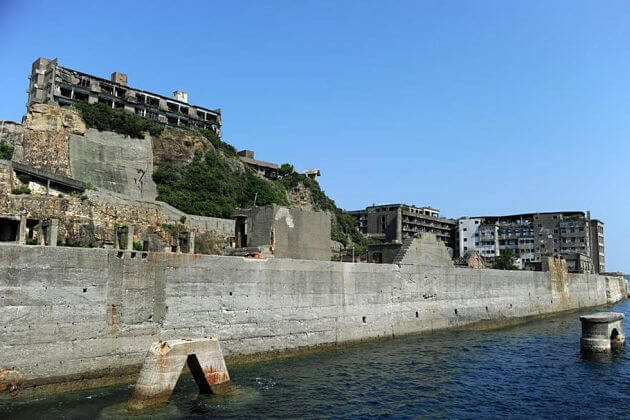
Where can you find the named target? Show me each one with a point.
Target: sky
(472, 107)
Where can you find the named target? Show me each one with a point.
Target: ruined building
(51, 83)
(532, 236)
(396, 222)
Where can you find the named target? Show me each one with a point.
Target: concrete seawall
(77, 317)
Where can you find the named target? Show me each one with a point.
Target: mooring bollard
(602, 331)
(164, 363)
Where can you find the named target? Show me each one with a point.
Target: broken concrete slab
(163, 365)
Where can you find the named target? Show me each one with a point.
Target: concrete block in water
(164, 363)
(601, 331)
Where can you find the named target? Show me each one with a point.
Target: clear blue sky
(473, 107)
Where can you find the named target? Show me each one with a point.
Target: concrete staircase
(400, 255)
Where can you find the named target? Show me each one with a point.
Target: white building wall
(468, 241)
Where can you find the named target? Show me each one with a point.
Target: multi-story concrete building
(52, 83)
(395, 222)
(530, 236)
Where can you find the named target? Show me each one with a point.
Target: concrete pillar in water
(164, 363)
(602, 331)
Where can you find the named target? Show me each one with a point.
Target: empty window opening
(364, 320)
(107, 89)
(417, 314)
(455, 311)
(66, 92)
(81, 96)
(105, 101)
(84, 289)
(9, 230)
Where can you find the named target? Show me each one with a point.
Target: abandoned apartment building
(532, 236)
(392, 224)
(50, 83)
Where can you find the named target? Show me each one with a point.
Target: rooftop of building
(126, 86)
(527, 215)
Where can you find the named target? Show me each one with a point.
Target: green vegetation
(104, 118)
(24, 189)
(73, 243)
(137, 246)
(209, 186)
(6, 151)
(24, 179)
(31, 241)
(505, 261)
(182, 219)
(218, 144)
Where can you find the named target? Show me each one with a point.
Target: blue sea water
(533, 370)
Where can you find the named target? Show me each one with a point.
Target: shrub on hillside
(6, 151)
(208, 186)
(218, 144)
(105, 118)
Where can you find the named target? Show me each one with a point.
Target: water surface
(531, 370)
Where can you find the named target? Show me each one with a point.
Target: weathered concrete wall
(67, 313)
(114, 162)
(289, 232)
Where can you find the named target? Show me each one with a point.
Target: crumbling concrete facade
(285, 232)
(92, 218)
(50, 83)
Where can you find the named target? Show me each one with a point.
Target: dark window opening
(81, 96)
(9, 230)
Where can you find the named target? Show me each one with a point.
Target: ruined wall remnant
(289, 232)
(90, 218)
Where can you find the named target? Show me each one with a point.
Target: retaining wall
(70, 315)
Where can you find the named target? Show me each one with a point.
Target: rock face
(300, 197)
(179, 147)
(42, 141)
(45, 117)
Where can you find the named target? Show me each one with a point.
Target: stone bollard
(163, 365)
(602, 331)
